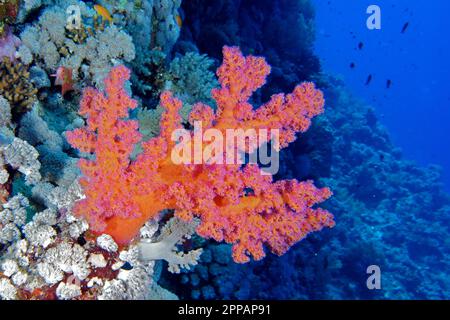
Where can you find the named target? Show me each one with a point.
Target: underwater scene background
(69, 227)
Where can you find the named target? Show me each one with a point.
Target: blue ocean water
(416, 108)
(390, 212)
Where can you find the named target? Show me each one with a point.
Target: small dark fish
(381, 157)
(127, 266)
(405, 26)
(369, 78)
(388, 83)
(352, 65)
(360, 45)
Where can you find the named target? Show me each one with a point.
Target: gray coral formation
(90, 59)
(191, 78)
(21, 156)
(5, 113)
(12, 216)
(165, 23)
(152, 24)
(57, 167)
(155, 30)
(46, 254)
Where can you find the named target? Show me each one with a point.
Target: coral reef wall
(285, 36)
(388, 211)
(45, 251)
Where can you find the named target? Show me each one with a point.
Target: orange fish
(64, 79)
(102, 11)
(179, 20)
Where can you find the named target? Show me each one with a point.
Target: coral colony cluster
(95, 100)
(93, 228)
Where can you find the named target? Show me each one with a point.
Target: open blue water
(416, 108)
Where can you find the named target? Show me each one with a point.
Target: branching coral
(15, 85)
(234, 204)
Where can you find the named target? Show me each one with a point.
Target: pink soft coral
(235, 204)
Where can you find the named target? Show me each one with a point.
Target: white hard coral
(40, 231)
(20, 155)
(45, 255)
(89, 60)
(12, 217)
(174, 232)
(7, 290)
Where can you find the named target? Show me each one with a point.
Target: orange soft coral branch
(241, 76)
(235, 204)
(112, 140)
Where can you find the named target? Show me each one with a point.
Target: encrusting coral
(235, 204)
(15, 85)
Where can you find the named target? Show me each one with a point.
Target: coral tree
(235, 203)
